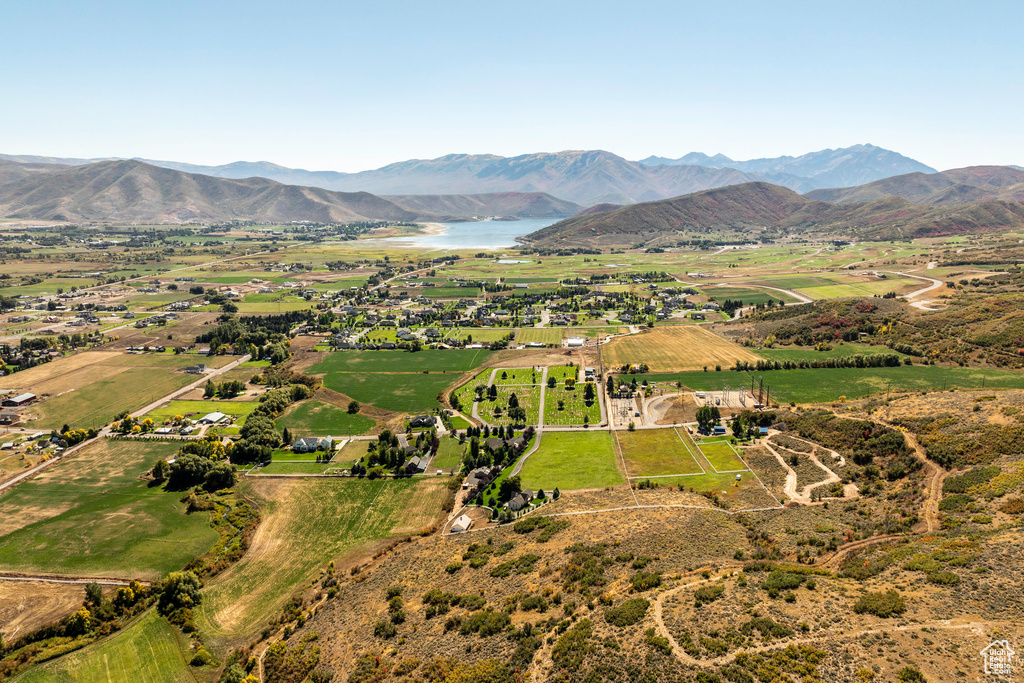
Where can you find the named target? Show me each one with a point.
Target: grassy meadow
(573, 460)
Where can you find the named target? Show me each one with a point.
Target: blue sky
(349, 86)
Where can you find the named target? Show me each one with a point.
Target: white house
(463, 523)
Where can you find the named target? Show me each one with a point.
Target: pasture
(147, 651)
(748, 295)
(675, 348)
(196, 409)
(656, 453)
(108, 523)
(306, 524)
(317, 418)
(830, 384)
(454, 360)
(543, 335)
(400, 392)
(90, 388)
(573, 460)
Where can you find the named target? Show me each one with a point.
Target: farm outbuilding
(461, 524)
(19, 400)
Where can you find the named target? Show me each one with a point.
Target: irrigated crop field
(89, 389)
(396, 380)
(148, 651)
(317, 418)
(675, 348)
(92, 515)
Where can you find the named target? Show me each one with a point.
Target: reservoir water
(476, 235)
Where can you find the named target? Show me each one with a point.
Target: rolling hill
(755, 210)
(826, 168)
(956, 186)
(132, 191)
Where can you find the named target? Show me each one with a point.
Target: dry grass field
(674, 349)
(88, 389)
(28, 605)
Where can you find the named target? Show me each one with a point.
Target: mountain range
(753, 210)
(956, 186)
(843, 167)
(583, 177)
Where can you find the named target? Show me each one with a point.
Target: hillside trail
(803, 497)
(935, 475)
(686, 658)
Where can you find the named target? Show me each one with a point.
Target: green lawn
(573, 460)
(529, 400)
(721, 455)
(656, 452)
(286, 467)
(574, 406)
(516, 376)
(449, 454)
(829, 384)
(316, 418)
(148, 651)
(93, 515)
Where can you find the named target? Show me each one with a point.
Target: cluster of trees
(259, 436)
(227, 389)
(203, 462)
(872, 360)
(263, 336)
(707, 418)
(129, 424)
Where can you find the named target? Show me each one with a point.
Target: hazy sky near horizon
(350, 86)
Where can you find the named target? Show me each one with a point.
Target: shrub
(385, 630)
(709, 593)
(882, 605)
(970, 478)
(628, 613)
(643, 581)
(944, 578)
(201, 658)
(778, 580)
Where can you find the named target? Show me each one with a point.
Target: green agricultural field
(316, 418)
(292, 467)
(147, 651)
(313, 522)
(748, 295)
(196, 409)
(656, 453)
(829, 384)
(574, 408)
(274, 306)
(542, 335)
(401, 392)
(108, 523)
(837, 351)
(455, 360)
(479, 334)
(573, 460)
(721, 455)
(446, 292)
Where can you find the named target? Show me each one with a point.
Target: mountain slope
(459, 206)
(956, 186)
(583, 177)
(753, 210)
(825, 168)
(132, 191)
